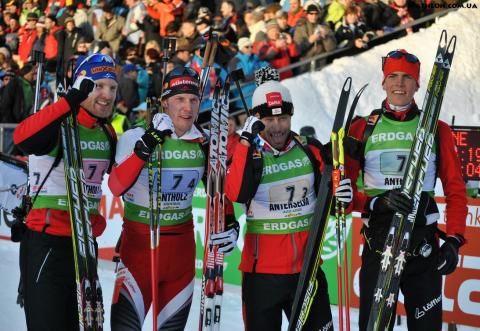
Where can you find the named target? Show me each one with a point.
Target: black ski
(89, 292)
(399, 234)
(308, 284)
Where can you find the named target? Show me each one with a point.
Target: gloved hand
(251, 128)
(226, 240)
(344, 191)
(448, 255)
(393, 200)
(81, 89)
(163, 122)
(162, 126)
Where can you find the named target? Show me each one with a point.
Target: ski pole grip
(236, 76)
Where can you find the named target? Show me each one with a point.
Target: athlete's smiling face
(400, 88)
(277, 130)
(100, 102)
(183, 110)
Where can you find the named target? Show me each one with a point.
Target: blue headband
(96, 66)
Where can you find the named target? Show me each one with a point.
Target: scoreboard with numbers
(468, 145)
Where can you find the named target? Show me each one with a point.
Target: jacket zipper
(256, 254)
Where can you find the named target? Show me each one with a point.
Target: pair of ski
(212, 279)
(400, 232)
(398, 239)
(89, 291)
(332, 174)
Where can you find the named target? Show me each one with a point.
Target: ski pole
(168, 47)
(237, 75)
(39, 59)
(207, 63)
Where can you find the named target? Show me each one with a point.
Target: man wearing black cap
(276, 173)
(110, 28)
(182, 167)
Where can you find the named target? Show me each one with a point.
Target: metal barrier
(340, 52)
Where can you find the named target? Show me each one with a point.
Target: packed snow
(315, 98)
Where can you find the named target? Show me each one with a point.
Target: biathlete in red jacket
(182, 167)
(46, 251)
(276, 173)
(381, 161)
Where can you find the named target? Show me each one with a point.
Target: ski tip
(451, 45)
(347, 84)
(362, 89)
(443, 39)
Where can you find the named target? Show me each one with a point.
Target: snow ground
(12, 317)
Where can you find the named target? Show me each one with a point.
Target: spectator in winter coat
(136, 13)
(110, 28)
(335, 12)
(403, 15)
(313, 38)
(279, 49)
(54, 39)
(18, 96)
(164, 11)
(39, 43)
(28, 7)
(183, 53)
(248, 62)
(72, 37)
(128, 88)
(295, 13)
(258, 28)
(377, 15)
(352, 32)
(27, 35)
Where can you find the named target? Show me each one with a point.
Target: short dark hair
(53, 18)
(27, 68)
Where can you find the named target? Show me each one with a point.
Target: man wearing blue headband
(46, 252)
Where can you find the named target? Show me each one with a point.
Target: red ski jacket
(39, 134)
(448, 169)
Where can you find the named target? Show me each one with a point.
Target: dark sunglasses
(398, 55)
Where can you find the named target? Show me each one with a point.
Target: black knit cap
(181, 80)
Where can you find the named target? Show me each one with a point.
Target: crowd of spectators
(252, 34)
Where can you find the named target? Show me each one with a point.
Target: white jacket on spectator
(135, 15)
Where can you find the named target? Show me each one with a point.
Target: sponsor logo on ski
(391, 136)
(420, 312)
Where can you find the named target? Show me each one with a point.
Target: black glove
(147, 143)
(251, 128)
(80, 91)
(448, 255)
(393, 200)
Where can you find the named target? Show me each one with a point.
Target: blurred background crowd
(252, 34)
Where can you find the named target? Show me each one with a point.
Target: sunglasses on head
(398, 55)
(183, 71)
